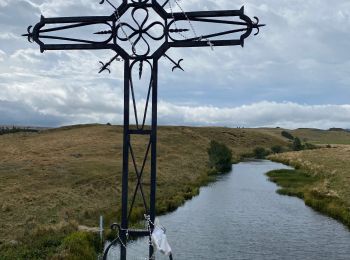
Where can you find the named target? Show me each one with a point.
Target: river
(240, 216)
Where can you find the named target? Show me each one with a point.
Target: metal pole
(126, 141)
(101, 229)
(154, 147)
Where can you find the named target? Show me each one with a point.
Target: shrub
(220, 157)
(277, 149)
(287, 135)
(337, 129)
(7, 130)
(309, 146)
(260, 152)
(297, 146)
(80, 245)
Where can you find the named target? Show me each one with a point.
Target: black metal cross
(140, 32)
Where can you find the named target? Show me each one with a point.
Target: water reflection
(241, 217)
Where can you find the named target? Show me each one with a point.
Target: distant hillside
(339, 129)
(74, 172)
(315, 136)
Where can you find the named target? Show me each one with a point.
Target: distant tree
(7, 130)
(276, 149)
(287, 135)
(337, 129)
(261, 152)
(297, 145)
(309, 146)
(220, 157)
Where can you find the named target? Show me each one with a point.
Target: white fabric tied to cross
(159, 239)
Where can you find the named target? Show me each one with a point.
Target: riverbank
(259, 223)
(321, 179)
(53, 181)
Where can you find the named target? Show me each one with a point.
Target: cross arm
(240, 22)
(43, 30)
(205, 43)
(220, 13)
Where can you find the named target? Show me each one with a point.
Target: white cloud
(2, 55)
(4, 3)
(301, 57)
(269, 114)
(26, 55)
(8, 36)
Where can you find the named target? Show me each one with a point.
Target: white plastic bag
(159, 239)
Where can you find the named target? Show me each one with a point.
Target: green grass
(302, 185)
(79, 245)
(72, 174)
(293, 182)
(37, 244)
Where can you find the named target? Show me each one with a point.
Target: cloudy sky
(295, 73)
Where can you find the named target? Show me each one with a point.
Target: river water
(241, 216)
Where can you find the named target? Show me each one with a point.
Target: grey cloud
(286, 114)
(301, 57)
(2, 55)
(17, 113)
(17, 13)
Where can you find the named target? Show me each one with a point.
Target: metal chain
(139, 252)
(149, 222)
(117, 16)
(148, 219)
(172, 14)
(190, 23)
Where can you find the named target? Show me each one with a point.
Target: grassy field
(55, 180)
(322, 179)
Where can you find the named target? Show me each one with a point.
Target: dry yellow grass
(74, 173)
(331, 164)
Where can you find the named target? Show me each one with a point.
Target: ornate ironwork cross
(141, 32)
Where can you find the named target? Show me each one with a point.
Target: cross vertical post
(154, 146)
(126, 142)
(124, 36)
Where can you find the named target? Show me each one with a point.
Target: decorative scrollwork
(149, 39)
(103, 1)
(140, 69)
(107, 65)
(29, 34)
(140, 32)
(136, 32)
(140, 1)
(245, 23)
(165, 3)
(257, 26)
(177, 64)
(141, 63)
